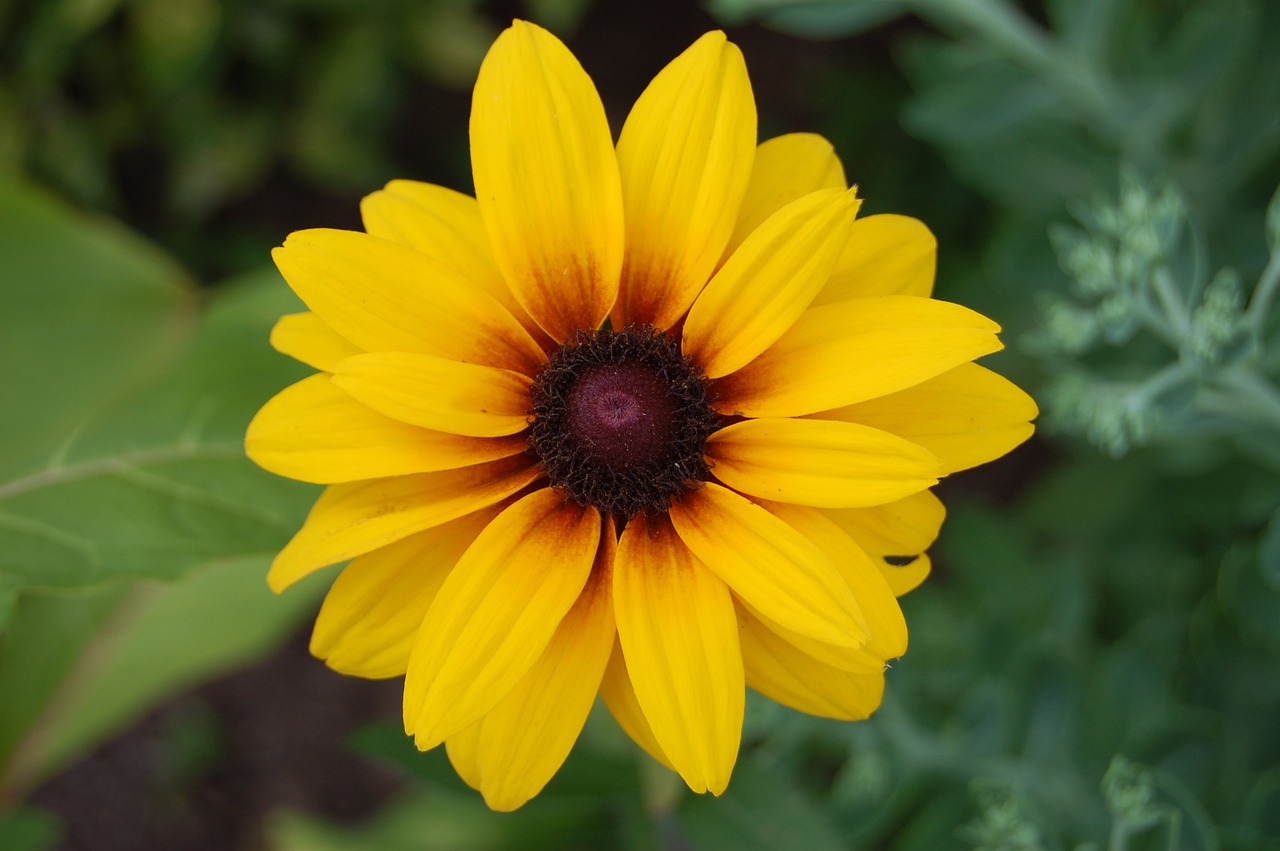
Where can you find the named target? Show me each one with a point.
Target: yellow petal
(496, 613)
(855, 350)
(886, 627)
(371, 615)
(895, 536)
(886, 255)
(967, 416)
(524, 740)
(769, 565)
(463, 749)
(352, 519)
(547, 180)
(685, 157)
(780, 672)
(786, 168)
(904, 527)
(436, 221)
(446, 395)
(315, 432)
(383, 296)
(819, 462)
(446, 226)
(305, 336)
(768, 282)
(680, 638)
(619, 696)
(905, 573)
(854, 659)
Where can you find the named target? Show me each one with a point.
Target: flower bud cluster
(1113, 416)
(1113, 261)
(1005, 823)
(1132, 798)
(1218, 321)
(1131, 277)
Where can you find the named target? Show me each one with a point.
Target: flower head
(655, 421)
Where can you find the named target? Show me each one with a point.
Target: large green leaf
(47, 634)
(86, 309)
(185, 633)
(78, 666)
(134, 478)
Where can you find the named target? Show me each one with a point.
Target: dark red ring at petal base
(620, 421)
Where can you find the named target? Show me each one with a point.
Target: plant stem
(1169, 376)
(1259, 308)
(1171, 303)
(1119, 838)
(1157, 323)
(1252, 395)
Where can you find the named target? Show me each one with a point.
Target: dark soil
(205, 772)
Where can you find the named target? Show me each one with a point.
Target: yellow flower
(654, 421)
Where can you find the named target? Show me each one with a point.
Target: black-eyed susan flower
(654, 421)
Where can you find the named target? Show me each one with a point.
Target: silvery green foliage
(1143, 809)
(1005, 823)
(1189, 353)
(1108, 606)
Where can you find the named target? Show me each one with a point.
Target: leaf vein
(62, 474)
(52, 534)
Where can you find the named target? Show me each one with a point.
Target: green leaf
(1085, 26)
(1211, 44)
(811, 18)
(28, 830)
(173, 41)
(1247, 595)
(346, 106)
(8, 600)
(188, 632)
(561, 16)
(1116, 490)
(79, 666)
(594, 768)
(1269, 553)
(1273, 223)
(386, 741)
(760, 811)
(1011, 136)
(46, 636)
(154, 481)
(596, 800)
(440, 821)
(86, 310)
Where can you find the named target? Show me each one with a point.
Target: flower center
(620, 414)
(620, 421)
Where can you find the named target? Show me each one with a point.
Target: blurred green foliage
(171, 112)
(1094, 665)
(1098, 663)
(1213, 370)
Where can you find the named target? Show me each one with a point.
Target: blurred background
(1095, 663)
